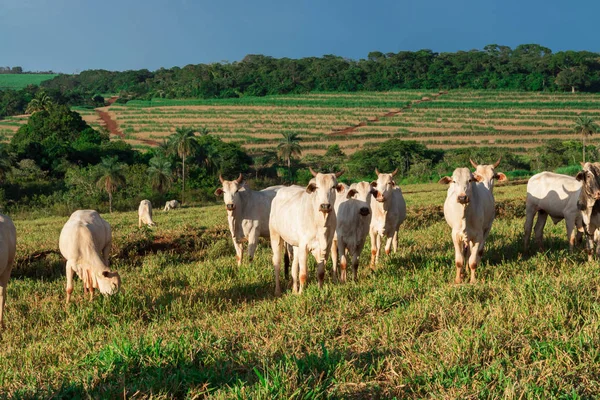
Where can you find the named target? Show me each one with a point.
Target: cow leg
(539, 228)
(373, 236)
(378, 248)
(252, 244)
(302, 258)
(570, 233)
(591, 230)
(334, 259)
(388, 244)
(395, 242)
(476, 250)
(355, 264)
(3, 283)
(295, 282)
(70, 281)
(276, 244)
(530, 211)
(459, 256)
(139, 222)
(341, 248)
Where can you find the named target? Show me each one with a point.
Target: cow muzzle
(325, 208)
(364, 211)
(463, 199)
(230, 207)
(380, 198)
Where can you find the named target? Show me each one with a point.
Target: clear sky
(74, 35)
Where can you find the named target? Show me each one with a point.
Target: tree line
(529, 67)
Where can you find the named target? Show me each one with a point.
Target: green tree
(41, 102)
(288, 147)
(160, 174)
(585, 126)
(111, 177)
(573, 78)
(184, 143)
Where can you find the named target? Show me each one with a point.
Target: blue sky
(74, 35)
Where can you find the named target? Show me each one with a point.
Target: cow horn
(473, 163)
(338, 174)
(497, 162)
(221, 178)
(395, 172)
(240, 178)
(312, 171)
(377, 171)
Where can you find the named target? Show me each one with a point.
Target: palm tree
(160, 172)
(289, 147)
(40, 102)
(586, 126)
(110, 177)
(184, 143)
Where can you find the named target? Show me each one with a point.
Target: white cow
(303, 218)
(145, 214)
(8, 248)
(171, 205)
(469, 210)
(554, 195)
(389, 211)
(85, 242)
(353, 216)
(247, 213)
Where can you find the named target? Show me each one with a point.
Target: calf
(305, 219)
(353, 223)
(145, 214)
(389, 211)
(171, 205)
(554, 195)
(469, 210)
(8, 248)
(85, 242)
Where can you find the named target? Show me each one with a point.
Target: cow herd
(329, 218)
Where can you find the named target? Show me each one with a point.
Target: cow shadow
(46, 264)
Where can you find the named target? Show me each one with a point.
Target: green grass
(191, 323)
(20, 81)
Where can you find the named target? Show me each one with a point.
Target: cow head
(230, 191)
(362, 192)
(109, 282)
(384, 185)
(461, 184)
(590, 185)
(488, 173)
(323, 187)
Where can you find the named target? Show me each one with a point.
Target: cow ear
(582, 164)
(218, 192)
(394, 183)
(374, 184)
(580, 176)
(106, 274)
(445, 180)
(311, 188)
(339, 188)
(351, 193)
(477, 177)
(500, 177)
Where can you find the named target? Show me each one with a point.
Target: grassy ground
(20, 81)
(191, 323)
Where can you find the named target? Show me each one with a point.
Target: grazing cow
(489, 174)
(85, 242)
(554, 195)
(8, 248)
(353, 216)
(588, 203)
(145, 214)
(469, 210)
(303, 218)
(389, 211)
(171, 205)
(247, 213)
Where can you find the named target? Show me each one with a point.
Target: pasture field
(354, 120)
(192, 324)
(20, 81)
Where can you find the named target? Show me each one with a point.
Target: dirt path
(350, 129)
(112, 125)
